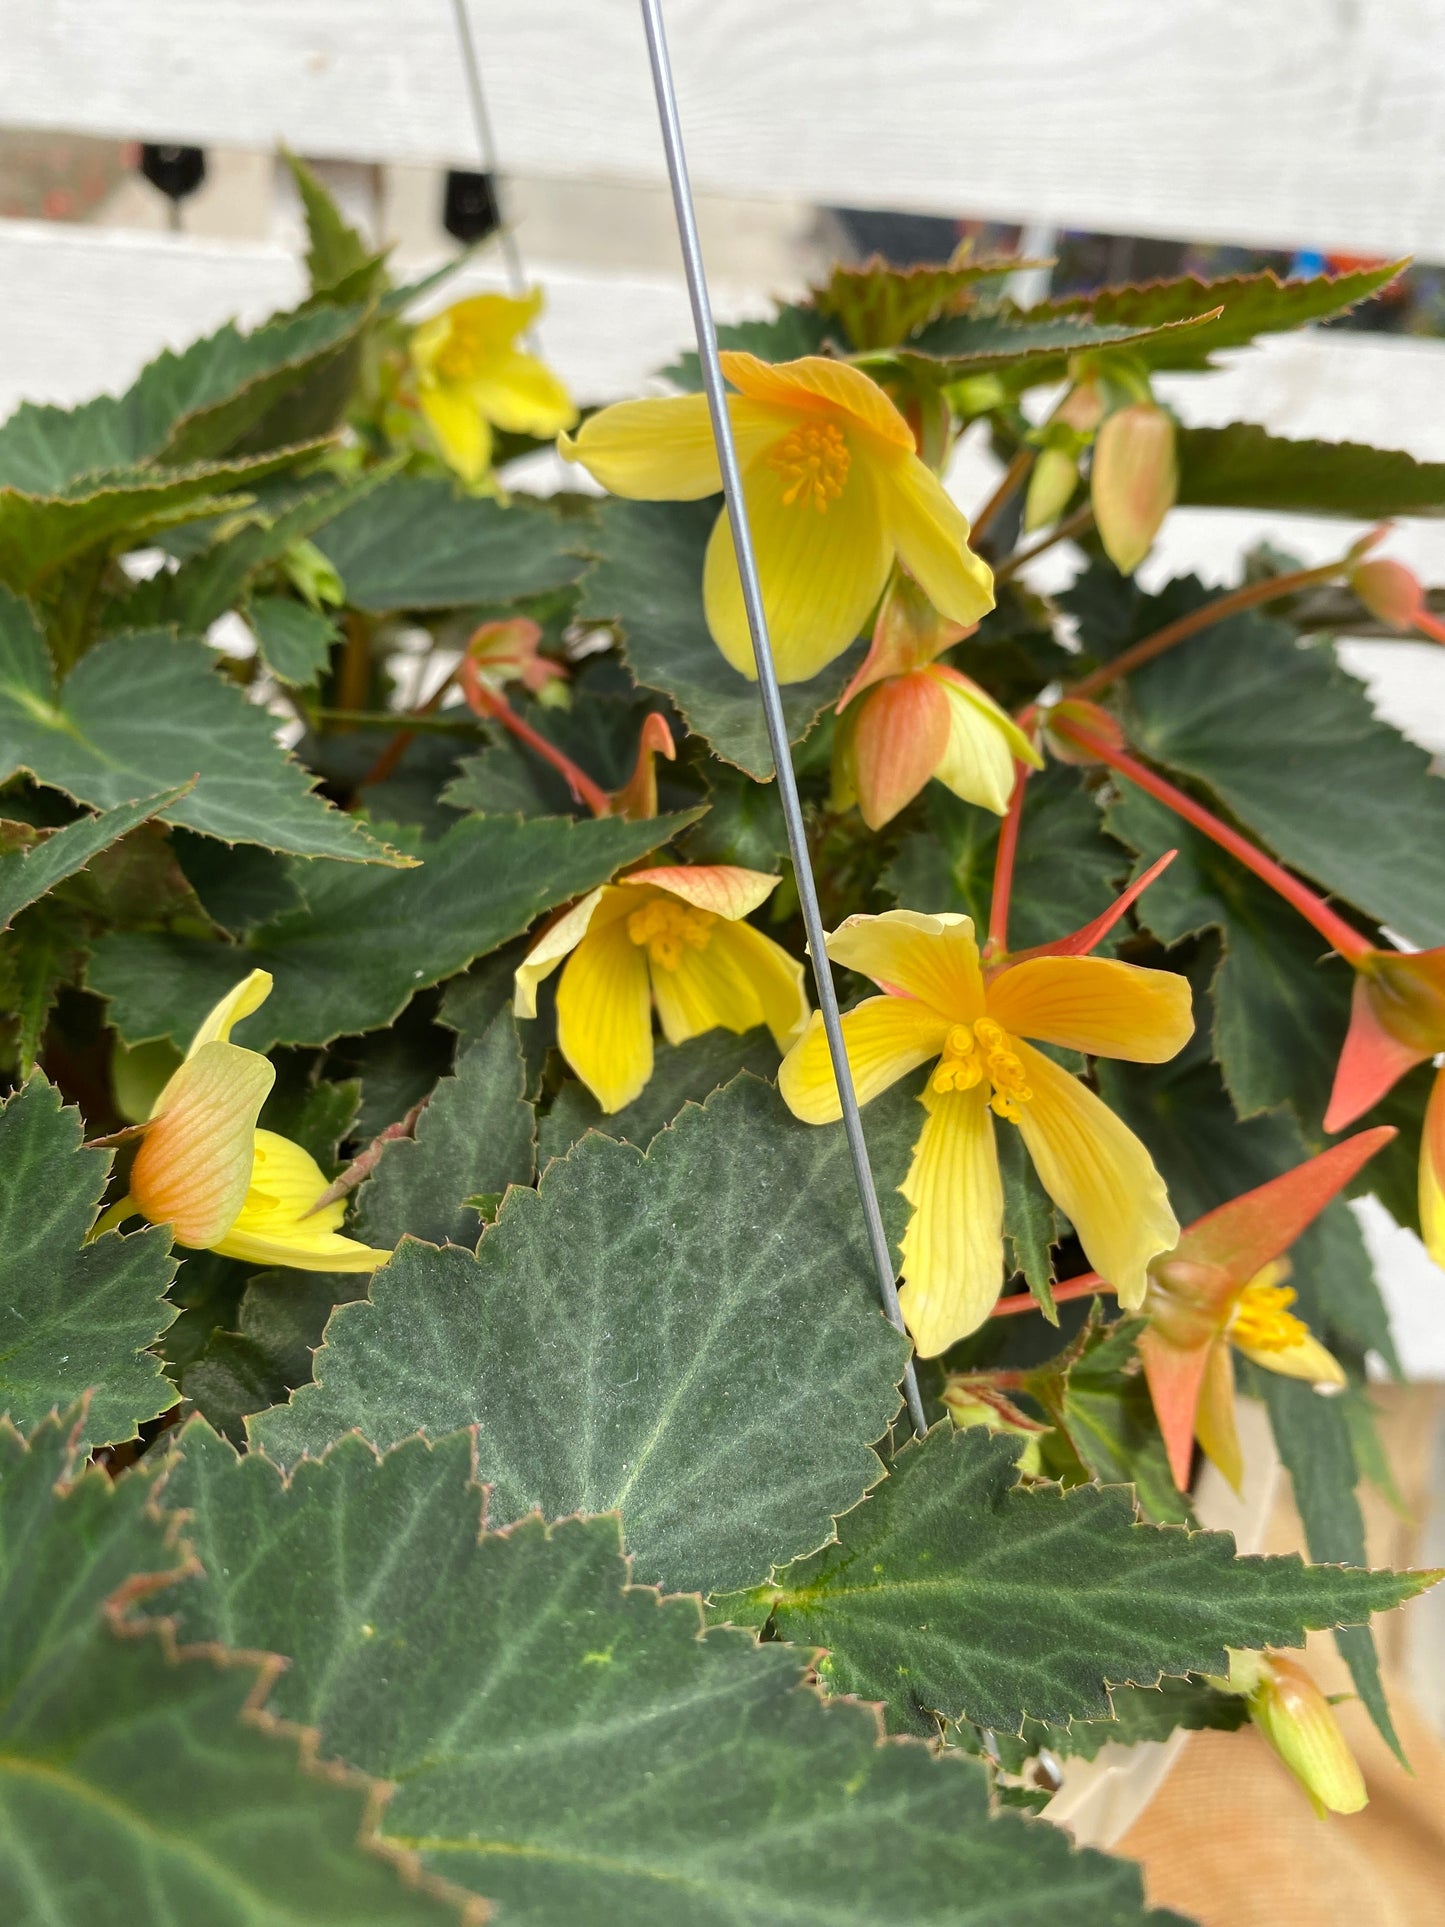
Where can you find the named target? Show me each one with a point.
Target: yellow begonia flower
(472, 377)
(674, 937)
(834, 488)
(939, 1005)
(221, 1184)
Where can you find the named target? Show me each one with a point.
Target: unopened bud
(1087, 716)
(1389, 591)
(1134, 481)
(1053, 481)
(976, 1400)
(1300, 1724)
(1082, 408)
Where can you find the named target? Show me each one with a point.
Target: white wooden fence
(1317, 123)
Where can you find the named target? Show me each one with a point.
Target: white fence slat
(1300, 122)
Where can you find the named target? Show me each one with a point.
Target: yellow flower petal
(194, 1163)
(517, 392)
(1099, 1175)
(662, 450)
(1214, 1425)
(490, 323)
(1097, 1005)
(1306, 1358)
(821, 570)
(978, 757)
(953, 1247)
(1432, 1172)
(604, 1014)
(815, 384)
(559, 940)
(272, 1227)
(726, 889)
(738, 980)
(930, 532)
(932, 958)
(885, 1037)
(462, 435)
(248, 995)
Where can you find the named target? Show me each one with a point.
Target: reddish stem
(1084, 1286)
(1017, 469)
(1003, 866)
(1065, 531)
(489, 702)
(1335, 931)
(396, 746)
(1249, 597)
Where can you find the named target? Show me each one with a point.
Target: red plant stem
(1335, 931)
(1003, 866)
(396, 746)
(489, 702)
(1249, 597)
(1066, 530)
(1430, 626)
(1022, 462)
(1084, 1286)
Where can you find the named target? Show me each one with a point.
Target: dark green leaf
(1029, 1220)
(415, 543)
(690, 1336)
(239, 885)
(680, 1073)
(569, 1746)
(1097, 1397)
(1143, 1713)
(366, 938)
(477, 1134)
(295, 641)
(1067, 869)
(1038, 342)
(648, 580)
(142, 713)
(74, 1317)
(1289, 741)
(1245, 467)
(948, 1550)
(336, 255)
(26, 875)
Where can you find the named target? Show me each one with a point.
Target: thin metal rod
(486, 144)
(712, 375)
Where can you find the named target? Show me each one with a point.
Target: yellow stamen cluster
(666, 930)
(973, 1052)
(814, 461)
(1262, 1320)
(464, 352)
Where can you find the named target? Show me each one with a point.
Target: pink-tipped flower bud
(1134, 481)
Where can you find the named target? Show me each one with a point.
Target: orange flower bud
(507, 651)
(1134, 481)
(1098, 722)
(1389, 591)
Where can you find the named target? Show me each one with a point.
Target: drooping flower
(1222, 1287)
(471, 377)
(1300, 1724)
(834, 488)
(509, 651)
(221, 1184)
(674, 938)
(907, 717)
(1397, 1020)
(939, 1005)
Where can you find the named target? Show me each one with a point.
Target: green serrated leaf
(571, 1747)
(629, 1337)
(27, 875)
(365, 939)
(948, 1549)
(1096, 1396)
(295, 641)
(477, 1134)
(415, 543)
(182, 408)
(1029, 1220)
(1289, 742)
(145, 712)
(138, 1786)
(1068, 869)
(681, 1073)
(648, 580)
(74, 1317)
(336, 255)
(1243, 466)
(1144, 1713)
(1038, 342)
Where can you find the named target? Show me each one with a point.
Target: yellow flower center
(1261, 1319)
(666, 929)
(973, 1052)
(464, 353)
(813, 460)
